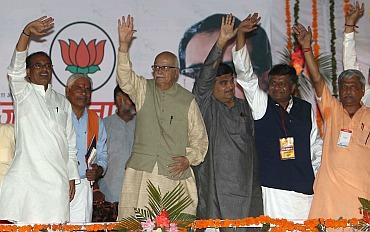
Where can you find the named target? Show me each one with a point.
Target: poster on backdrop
(85, 38)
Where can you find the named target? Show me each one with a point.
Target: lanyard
(282, 116)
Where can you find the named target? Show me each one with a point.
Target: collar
(41, 89)
(83, 117)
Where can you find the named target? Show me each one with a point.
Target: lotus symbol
(82, 58)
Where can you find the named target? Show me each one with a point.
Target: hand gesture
(227, 30)
(303, 35)
(126, 32)
(354, 14)
(94, 173)
(180, 164)
(249, 24)
(72, 190)
(39, 27)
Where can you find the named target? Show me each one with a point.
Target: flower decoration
(163, 214)
(82, 58)
(162, 219)
(297, 60)
(288, 21)
(148, 225)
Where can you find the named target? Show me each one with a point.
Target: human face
(281, 88)
(197, 51)
(165, 70)
(351, 91)
(40, 70)
(124, 103)
(79, 93)
(224, 88)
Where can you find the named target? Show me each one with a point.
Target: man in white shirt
(40, 181)
(287, 140)
(349, 45)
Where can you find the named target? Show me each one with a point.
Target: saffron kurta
(344, 174)
(227, 181)
(36, 187)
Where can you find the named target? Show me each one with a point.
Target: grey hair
(77, 76)
(346, 74)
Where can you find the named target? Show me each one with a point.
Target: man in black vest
(287, 140)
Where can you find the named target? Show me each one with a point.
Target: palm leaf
(364, 203)
(184, 219)
(142, 214)
(154, 198)
(130, 223)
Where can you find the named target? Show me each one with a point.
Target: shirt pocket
(363, 136)
(58, 117)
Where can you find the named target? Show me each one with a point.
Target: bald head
(168, 57)
(165, 70)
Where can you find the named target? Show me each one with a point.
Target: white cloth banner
(160, 26)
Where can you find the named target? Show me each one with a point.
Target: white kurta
(36, 188)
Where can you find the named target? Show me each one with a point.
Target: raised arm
(349, 46)
(304, 38)
(17, 67)
(131, 83)
(204, 83)
(256, 97)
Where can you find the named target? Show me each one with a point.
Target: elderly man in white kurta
(40, 181)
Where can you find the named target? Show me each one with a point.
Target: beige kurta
(344, 174)
(7, 143)
(134, 192)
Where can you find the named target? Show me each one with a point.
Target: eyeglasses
(164, 68)
(40, 66)
(193, 71)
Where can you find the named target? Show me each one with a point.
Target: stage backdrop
(85, 38)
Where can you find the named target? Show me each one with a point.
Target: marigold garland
(59, 227)
(315, 30)
(277, 224)
(288, 22)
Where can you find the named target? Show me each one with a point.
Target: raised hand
(227, 30)
(39, 27)
(249, 24)
(126, 32)
(303, 35)
(353, 15)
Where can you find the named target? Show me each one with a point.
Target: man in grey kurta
(120, 129)
(227, 181)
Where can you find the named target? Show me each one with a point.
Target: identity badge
(287, 148)
(344, 137)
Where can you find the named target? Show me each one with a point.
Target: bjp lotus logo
(82, 58)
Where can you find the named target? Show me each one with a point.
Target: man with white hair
(344, 172)
(91, 134)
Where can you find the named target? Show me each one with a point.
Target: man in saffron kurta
(170, 134)
(344, 173)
